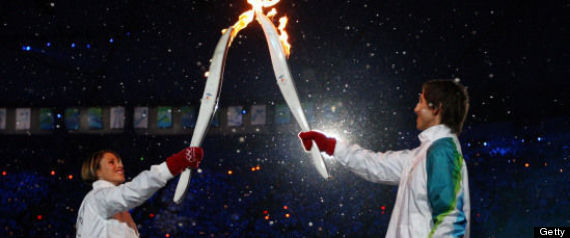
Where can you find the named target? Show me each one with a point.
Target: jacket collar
(435, 132)
(102, 184)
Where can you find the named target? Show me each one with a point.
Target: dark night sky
(369, 57)
(512, 56)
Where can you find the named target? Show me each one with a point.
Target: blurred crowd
(265, 186)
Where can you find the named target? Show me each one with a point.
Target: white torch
(208, 105)
(212, 90)
(286, 85)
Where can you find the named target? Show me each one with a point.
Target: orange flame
(283, 36)
(244, 20)
(271, 13)
(259, 4)
(257, 7)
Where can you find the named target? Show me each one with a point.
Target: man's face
(111, 169)
(427, 116)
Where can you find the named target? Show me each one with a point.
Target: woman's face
(111, 169)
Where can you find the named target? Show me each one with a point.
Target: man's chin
(420, 127)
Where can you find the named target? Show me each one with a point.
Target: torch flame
(283, 36)
(244, 20)
(257, 8)
(258, 5)
(271, 13)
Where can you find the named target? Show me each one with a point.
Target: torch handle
(208, 106)
(287, 86)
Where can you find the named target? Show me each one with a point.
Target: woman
(104, 211)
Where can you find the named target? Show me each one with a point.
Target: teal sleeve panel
(443, 167)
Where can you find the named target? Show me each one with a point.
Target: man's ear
(438, 110)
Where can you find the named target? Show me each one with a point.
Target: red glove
(324, 143)
(188, 157)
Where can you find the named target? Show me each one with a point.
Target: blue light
(243, 112)
(88, 46)
(503, 151)
(111, 40)
(28, 48)
(468, 144)
(48, 44)
(539, 139)
(128, 33)
(485, 144)
(58, 115)
(72, 45)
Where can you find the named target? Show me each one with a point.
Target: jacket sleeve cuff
(163, 171)
(339, 150)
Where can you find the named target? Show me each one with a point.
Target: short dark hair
(91, 165)
(453, 99)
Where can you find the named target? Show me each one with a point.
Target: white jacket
(433, 193)
(95, 218)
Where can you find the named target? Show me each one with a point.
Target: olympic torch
(278, 48)
(208, 106)
(286, 85)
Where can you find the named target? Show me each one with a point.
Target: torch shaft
(208, 106)
(287, 86)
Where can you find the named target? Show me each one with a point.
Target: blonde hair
(91, 165)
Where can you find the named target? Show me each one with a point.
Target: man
(433, 193)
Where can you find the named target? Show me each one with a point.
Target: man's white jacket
(433, 192)
(106, 202)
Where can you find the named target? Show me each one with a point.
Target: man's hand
(189, 157)
(324, 143)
